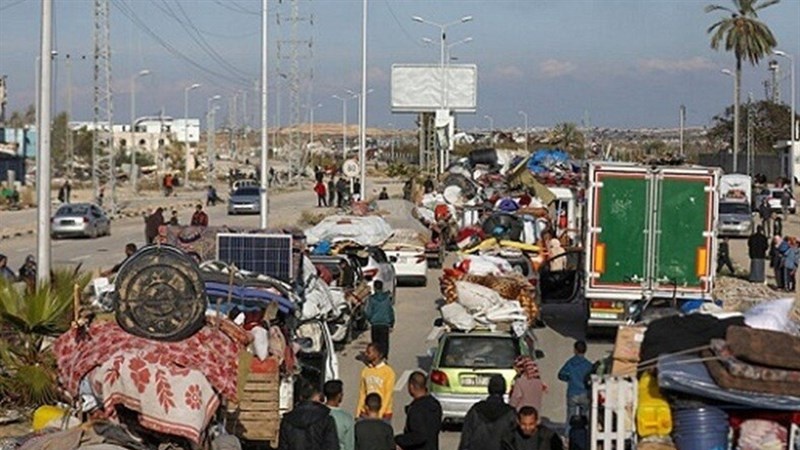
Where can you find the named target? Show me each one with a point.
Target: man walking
(423, 417)
(372, 433)
(488, 421)
(309, 426)
(380, 315)
(331, 191)
(341, 192)
(378, 377)
(757, 246)
(724, 257)
(530, 435)
(574, 372)
(766, 215)
(334, 393)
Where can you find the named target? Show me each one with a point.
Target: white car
(375, 265)
(407, 255)
(774, 195)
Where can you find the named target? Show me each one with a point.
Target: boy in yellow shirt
(378, 377)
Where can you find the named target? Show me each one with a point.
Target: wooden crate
(257, 415)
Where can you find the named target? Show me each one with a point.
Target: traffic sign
(350, 168)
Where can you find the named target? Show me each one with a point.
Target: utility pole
(264, 197)
(188, 153)
(362, 137)
(69, 140)
(43, 154)
(683, 125)
(749, 133)
(103, 152)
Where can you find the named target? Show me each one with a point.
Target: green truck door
(683, 220)
(619, 254)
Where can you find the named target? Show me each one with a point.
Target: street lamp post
(186, 130)
(735, 121)
(344, 124)
(362, 124)
(525, 115)
(792, 126)
(311, 119)
(134, 169)
(362, 127)
(43, 155)
(442, 67)
(210, 135)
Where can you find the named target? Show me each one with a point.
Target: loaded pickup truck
(650, 240)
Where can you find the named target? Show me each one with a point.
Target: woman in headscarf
(528, 388)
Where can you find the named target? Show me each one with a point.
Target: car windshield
(480, 352)
(733, 208)
(73, 210)
(246, 191)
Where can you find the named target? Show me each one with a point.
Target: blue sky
(622, 63)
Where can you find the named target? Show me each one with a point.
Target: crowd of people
(318, 422)
(780, 252)
(339, 191)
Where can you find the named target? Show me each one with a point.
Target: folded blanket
(727, 380)
(764, 347)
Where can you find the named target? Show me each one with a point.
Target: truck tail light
(439, 378)
(599, 258)
(701, 262)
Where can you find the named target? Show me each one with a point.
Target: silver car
(81, 220)
(735, 219)
(245, 200)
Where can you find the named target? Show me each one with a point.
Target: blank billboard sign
(419, 88)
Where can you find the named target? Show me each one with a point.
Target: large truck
(649, 239)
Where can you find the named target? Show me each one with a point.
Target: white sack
(457, 317)
(772, 315)
(487, 265)
(475, 297)
(367, 230)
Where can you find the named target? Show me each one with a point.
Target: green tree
(770, 122)
(747, 37)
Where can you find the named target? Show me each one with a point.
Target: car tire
(54, 236)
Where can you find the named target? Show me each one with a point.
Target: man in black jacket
(529, 435)
(488, 421)
(757, 246)
(423, 417)
(309, 426)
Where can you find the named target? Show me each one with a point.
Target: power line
(400, 24)
(139, 23)
(11, 5)
(196, 35)
(231, 5)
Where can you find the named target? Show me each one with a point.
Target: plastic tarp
(684, 373)
(550, 160)
(367, 230)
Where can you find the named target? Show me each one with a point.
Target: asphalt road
(416, 307)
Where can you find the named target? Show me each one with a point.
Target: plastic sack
(457, 317)
(772, 315)
(475, 297)
(260, 342)
(759, 434)
(486, 265)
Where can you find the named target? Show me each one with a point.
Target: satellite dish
(350, 168)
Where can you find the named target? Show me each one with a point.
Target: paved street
(416, 307)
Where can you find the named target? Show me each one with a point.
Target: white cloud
(508, 72)
(694, 64)
(553, 68)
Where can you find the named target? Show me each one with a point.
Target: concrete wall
(771, 165)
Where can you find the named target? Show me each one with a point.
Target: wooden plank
(263, 396)
(269, 377)
(248, 405)
(258, 416)
(260, 387)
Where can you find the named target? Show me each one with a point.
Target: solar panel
(267, 254)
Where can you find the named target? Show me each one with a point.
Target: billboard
(420, 88)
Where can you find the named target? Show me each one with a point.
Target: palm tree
(748, 38)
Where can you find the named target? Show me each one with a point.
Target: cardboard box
(628, 343)
(623, 368)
